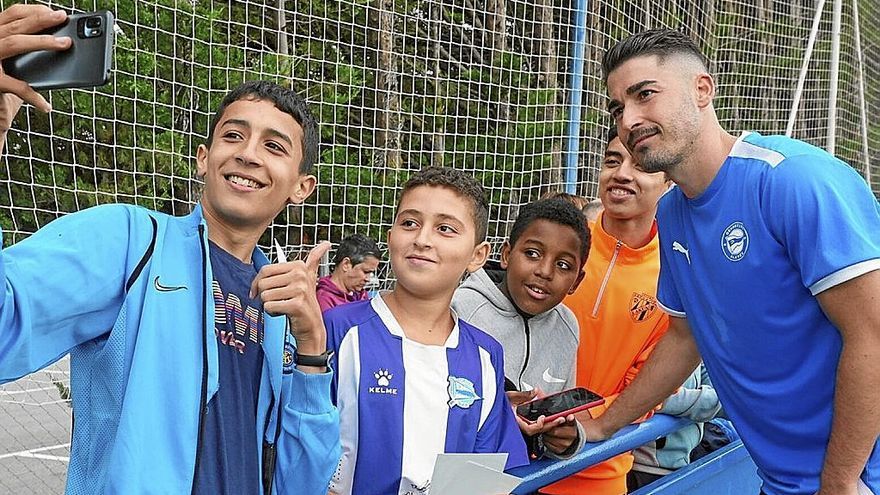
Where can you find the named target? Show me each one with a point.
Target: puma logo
(676, 246)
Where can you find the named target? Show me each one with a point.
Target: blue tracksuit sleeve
(308, 448)
(500, 433)
(65, 284)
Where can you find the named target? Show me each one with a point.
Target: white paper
(471, 474)
(280, 257)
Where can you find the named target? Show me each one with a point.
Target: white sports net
(481, 85)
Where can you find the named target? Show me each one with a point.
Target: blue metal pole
(576, 97)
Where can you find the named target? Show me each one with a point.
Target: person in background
(696, 400)
(356, 260)
(615, 305)
(592, 210)
(579, 202)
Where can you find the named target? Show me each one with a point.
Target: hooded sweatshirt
(695, 400)
(539, 351)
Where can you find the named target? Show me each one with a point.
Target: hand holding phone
(19, 25)
(86, 64)
(559, 405)
(515, 397)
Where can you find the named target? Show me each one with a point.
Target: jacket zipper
(202, 405)
(528, 350)
(607, 276)
(269, 449)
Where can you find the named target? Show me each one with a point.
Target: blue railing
(727, 471)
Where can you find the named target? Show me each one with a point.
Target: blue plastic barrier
(727, 471)
(729, 467)
(545, 471)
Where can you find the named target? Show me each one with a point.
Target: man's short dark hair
(611, 133)
(558, 211)
(659, 42)
(284, 99)
(356, 248)
(462, 184)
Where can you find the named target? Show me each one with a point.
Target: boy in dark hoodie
(544, 258)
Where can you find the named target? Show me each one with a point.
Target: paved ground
(34, 433)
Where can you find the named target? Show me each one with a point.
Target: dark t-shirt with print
(229, 454)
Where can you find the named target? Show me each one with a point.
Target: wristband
(321, 360)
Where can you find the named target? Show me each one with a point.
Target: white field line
(27, 391)
(34, 453)
(35, 404)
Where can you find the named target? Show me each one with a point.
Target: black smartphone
(559, 405)
(86, 63)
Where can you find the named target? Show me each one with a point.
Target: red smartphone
(559, 404)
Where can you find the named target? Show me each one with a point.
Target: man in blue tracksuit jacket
(184, 377)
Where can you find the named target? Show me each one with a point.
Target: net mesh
(481, 85)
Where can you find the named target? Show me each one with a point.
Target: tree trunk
(496, 26)
(389, 153)
(549, 67)
(495, 41)
(281, 23)
(438, 132)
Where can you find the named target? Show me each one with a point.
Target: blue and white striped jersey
(401, 402)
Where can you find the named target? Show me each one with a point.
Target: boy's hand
(558, 435)
(561, 438)
(18, 24)
(288, 288)
(538, 427)
(516, 397)
(9, 105)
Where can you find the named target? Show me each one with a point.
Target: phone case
(87, 63)
(561, 414)
(554, 417)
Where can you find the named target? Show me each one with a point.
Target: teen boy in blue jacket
(184, 377)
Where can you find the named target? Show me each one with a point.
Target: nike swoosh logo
(550, 378)
(165, 288)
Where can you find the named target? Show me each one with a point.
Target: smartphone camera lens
(91, 27)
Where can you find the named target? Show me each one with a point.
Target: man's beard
(660, 160)
(648, 162)
(652, 162)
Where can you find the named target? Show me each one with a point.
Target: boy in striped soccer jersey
(413, 380)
